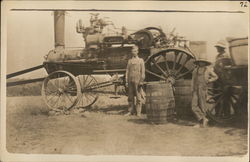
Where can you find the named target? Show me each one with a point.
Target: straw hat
(221, 43)
(202, 60)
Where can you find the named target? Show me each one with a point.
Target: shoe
(138, 115)
(128, 114)
(138, 109)
(197, 126)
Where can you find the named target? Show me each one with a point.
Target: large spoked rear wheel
(88, 95)
(60, 90)
(170, 65)
(224, 102)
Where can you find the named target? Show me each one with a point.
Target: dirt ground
(105, 131)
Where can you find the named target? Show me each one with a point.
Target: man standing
(222, 60)
(202, 75)
(135, 75)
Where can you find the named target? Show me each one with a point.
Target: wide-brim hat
(202, 60)
(221, 43)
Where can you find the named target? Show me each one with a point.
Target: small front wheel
(61, 90)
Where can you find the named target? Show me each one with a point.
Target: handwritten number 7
(243, 4)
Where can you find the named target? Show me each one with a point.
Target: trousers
(199, 106)
(134, 90)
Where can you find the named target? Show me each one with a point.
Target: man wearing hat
(222, 59)
(201, 76)
(221, 46)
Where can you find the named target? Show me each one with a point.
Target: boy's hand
(141, 83)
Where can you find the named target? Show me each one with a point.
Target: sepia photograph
(124, 81)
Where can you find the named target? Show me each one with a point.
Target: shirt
(201, 76)
(222, 60)
(135, 71)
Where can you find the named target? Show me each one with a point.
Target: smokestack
(59, 23)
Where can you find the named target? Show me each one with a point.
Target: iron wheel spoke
(155, 74)
(90, 98)
(89, 82)
(179, 70)
(157, 58)
(50, 99)
(68, 82)
(85, 81)
(51, 83)
(157, 65)
(166, 64)
(183, 74)
(57, 101)
(86, 99)
(175, 58)
(221, 107)
(92, 95)
(83, 99)
(236, 98)
(80, 80)
(217, 102)
(181, 55)
(69, 98)
(48, 92)
(63, 100)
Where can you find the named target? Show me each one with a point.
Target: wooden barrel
(183, 98)
(160, 103)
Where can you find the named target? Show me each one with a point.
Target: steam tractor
(71, 78)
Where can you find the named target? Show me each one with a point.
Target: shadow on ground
(112, 110)
(179, 122)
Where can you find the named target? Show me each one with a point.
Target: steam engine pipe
(14, 83)
(59, 25)
(24, 71)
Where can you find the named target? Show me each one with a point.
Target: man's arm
(142, 71)
(193, 79)
(212, 76)
(126, 75)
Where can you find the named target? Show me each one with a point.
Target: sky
(30, 35)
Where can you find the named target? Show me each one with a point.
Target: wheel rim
(170, 65)
(223, 102)
(152, 29)
(60, 90)
(88, 95)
